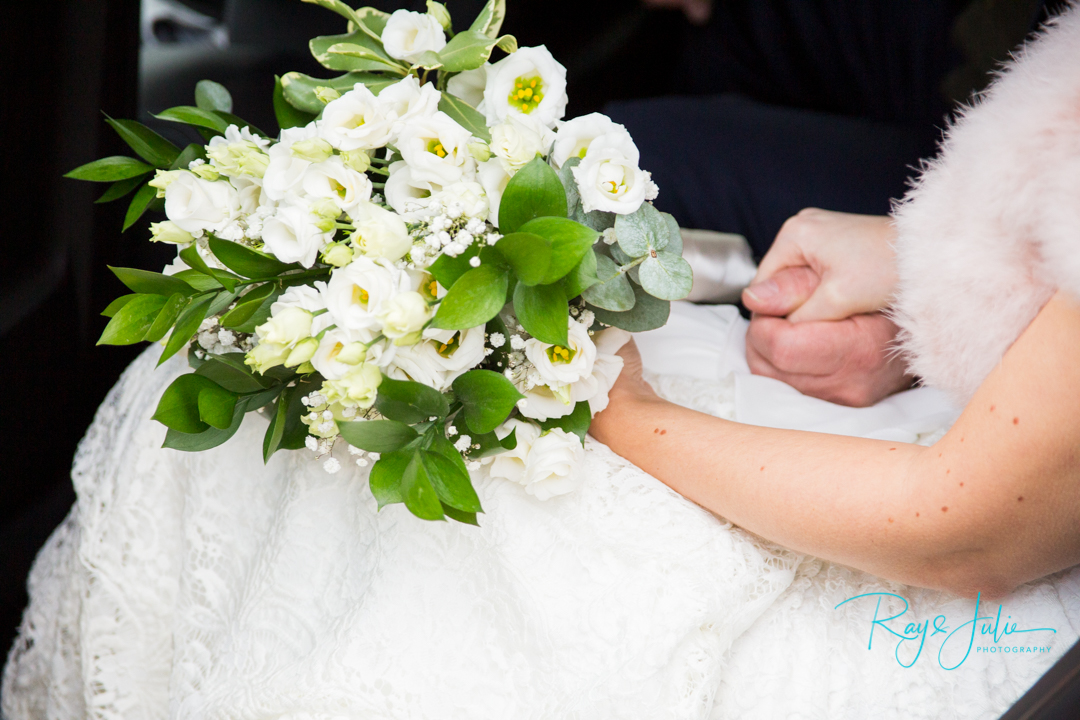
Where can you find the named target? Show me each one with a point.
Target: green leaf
(221, 301)
(465, 115)
(287, 115)
(339, 7)
(190, 115)
(132, 321)
(186, 327)
(197, 280)
(451, 484)
(448, 269)
(475, 298)
(420, 496)
(364, 54)
(377, 435)
(120, 188)
(146, 143)
(193, 260)
(488, 399)
(192, 152)
(410, 402)
(674, 234)
(535, 191)
(490, 19)
(146, 282)
(210, 95)
(299, 89)
(543, 311)
(240, 123)
(582, 277)
(320, 49)
(441, 445)
(642, 231)
(178, 407)
(296, 432)
(110, 169)
(613, 291)
(648, 313)
(229, 376)
(167, 317)
(490, 444)
(569, 243)
(386, 475)
(466, 518)
(576, 423)
(469, 50)
(139, 205)
(251, 312)
(247, 262)
(666, 275)
(115, 305)
(207, 439)
(216, 406)
(276, 429)
(528, 254)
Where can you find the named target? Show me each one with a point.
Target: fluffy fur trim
(991, 229)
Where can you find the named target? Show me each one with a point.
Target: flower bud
(206, 172)
(302, 353)
(287, 327)
(315, 150)
(326, 95)
(305, 368)
(481, 152)
(337, 254)
(162, 179)
(170, 232)
(266, 355)
(352, 354)
(358, 160)
(438, 11)
(242, 158)
(403, 317)
(357, 388)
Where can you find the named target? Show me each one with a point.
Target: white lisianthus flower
(408, 100)
(250, 193)
(609, 178)
(554, 465)
(444, 356)
(292, 235)
(340, 349)
(287, 327)
(357, 388)
(528, 82)
(379, 232)
(403, 317)
(334, 181)
(238, 158)
(408, 35)
(469, 85)
(518, 139)
(510, 465)
(405, 193)
(606, 369)
(542, 404)
(436, 149)
(357, 121)
(494, 178)
(575, 136)
(199, 206)
(467, 195)
(558, 365)
(285, 173)
(356, 293)
(304, 297)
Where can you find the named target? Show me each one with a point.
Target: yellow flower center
(527, 94)
(335, 351)
(359, 295)
(355, 122)
(433, 288)
(448, 348)
(436, 148)
(560, 354)
(338, 188)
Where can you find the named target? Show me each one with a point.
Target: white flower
(609, 178)
(266, 355)
(408, 35)
(356, 388)
(304, 297)
(436, 149)
(292, 235)
(408, 100)
(494, 179)
(285, 173)
(441, 358)
(170, 232)
(517, 140)
(332, 465)
(356, 292)
(250, 193)
(541, 403)
(334, 181)
(357, 121)
(527, 82)
(403, 316)
(379, 232)
(558, 365)
(575, 136)
(407, 195)
(510, 465)
(241, 157)
(467, 195)
(606, 369)
(554, 465)
(469, 85)
(287, 327)
(198, 206)
(340, 350)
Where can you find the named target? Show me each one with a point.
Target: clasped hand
(817, 305)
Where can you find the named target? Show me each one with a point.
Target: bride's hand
(629, 389)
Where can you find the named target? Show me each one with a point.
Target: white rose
(356, 388)
(357, 121)
(469, 85)
(575, 136)
(510, 465)
(406, 194)
(494, 179)
(609, 178)
(527, 82)
(334, 181)
(292, 235)
(198, 206)
(408, 35)
(287, 327)
(379, 232)
(558, 365)
(444, 356)
(517, 140)
(356, 292)
(436, 149)
(408, 100)
(403, 316)
(554, 465)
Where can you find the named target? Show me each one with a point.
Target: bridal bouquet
(428, 268)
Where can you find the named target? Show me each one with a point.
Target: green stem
(623, 269)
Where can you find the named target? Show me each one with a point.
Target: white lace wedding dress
(209, 586)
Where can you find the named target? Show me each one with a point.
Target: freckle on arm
(1016, 421)
(1020, 499)
(663, 432)
(944, 509)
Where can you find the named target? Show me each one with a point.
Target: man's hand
(830, 274)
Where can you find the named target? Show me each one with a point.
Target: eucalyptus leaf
(648, 313)
(210, 95)
(132, 321)
(465, 115)
(146, 143)
(675, 244)
(488, 399)
(377, 435)
(110, 169)
(666, 276)
(613, 291)
(543, 311)
(420, 495)
(535, 191)
(641, 231)
(475, 298)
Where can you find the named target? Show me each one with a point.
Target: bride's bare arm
(993, 504)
